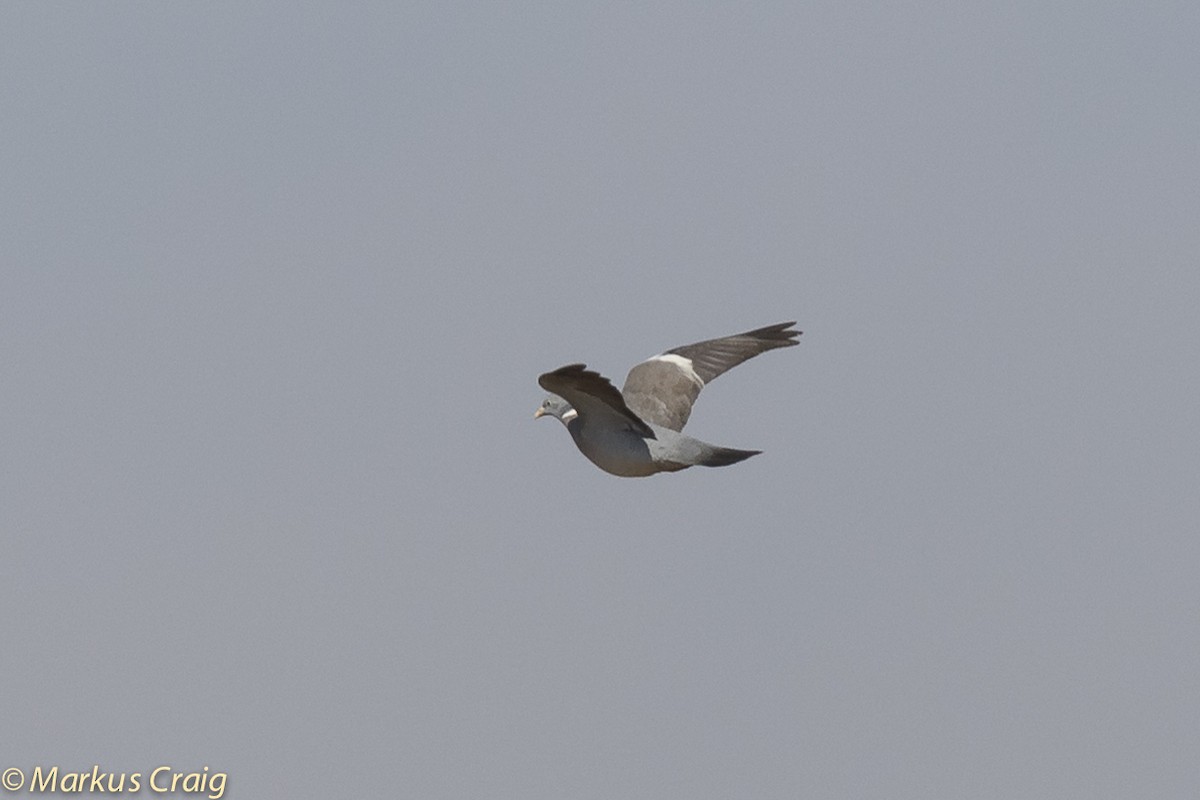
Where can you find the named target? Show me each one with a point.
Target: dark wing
(712, 357)
(663, 389)
(594, 397)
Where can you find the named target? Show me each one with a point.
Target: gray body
(631, 454)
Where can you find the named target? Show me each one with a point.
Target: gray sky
(277, 285)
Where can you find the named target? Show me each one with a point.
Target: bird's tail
(724, 456)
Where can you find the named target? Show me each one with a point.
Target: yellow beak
(539, 413)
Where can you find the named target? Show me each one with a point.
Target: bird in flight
(638, 431)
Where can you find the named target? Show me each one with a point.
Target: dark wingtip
(778, 335)
(569, 369)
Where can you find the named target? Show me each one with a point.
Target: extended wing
(663, 389)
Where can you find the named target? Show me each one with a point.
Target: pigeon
(637, 431)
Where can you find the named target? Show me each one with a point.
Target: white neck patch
(569, 415)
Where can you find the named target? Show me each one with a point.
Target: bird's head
(555, 406)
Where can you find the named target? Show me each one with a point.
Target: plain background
(277, 283)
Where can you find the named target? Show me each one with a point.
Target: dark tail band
(724, 456)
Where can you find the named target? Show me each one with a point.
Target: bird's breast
(619, 452)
